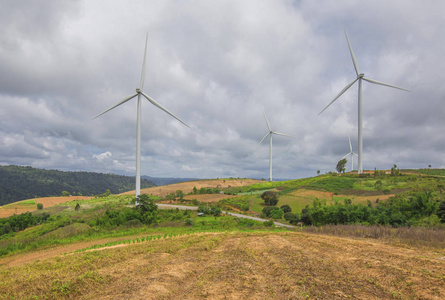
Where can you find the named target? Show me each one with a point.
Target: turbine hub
(361, 75)
(138, 91)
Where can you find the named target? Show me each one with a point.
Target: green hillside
(104, 247)
(19, 183)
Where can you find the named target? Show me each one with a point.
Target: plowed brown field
(264, 265)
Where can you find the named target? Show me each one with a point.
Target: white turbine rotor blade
(354, 60)
(277, 133)
(143, 64)
(122, 102)
(262, 140)
(385, 84)
(152, 101)
(350, 145)
(268, 125)
(345, 155)
(341, 93)
(354, 154)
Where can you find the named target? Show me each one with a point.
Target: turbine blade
(152, 101)
(354, 60)
(345, 155)
(350, 145)
(268, 125)
(341, 93)
(143, 64)
(354, 154)
(262, 140)
(385, 84)
(122, 102)
(277, 133)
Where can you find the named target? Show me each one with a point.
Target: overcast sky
(217, 65)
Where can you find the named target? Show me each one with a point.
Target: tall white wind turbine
(351, 153)
(270, 133)
(138, 93)
(360, 77)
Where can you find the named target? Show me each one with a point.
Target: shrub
(276, 214)
(189, 222)
(39, 206)
(269, 223)
(268, 210)
(291, 218)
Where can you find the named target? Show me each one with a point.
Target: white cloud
(216, 66)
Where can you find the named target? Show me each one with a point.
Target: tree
(341, 165)
(39, 206)
(395, 171)
(66, 194)
(441, 212)
(146, 204)
(77, 207)
(270, 197)
(286, 208)
(318, 172)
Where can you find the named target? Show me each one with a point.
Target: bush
(276, 214)
(269, 223)
(268, 210)
(39, 206)
(189, 222)
(215, 211)
(291, 218)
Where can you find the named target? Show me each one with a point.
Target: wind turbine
(350, 153)
(360, 77)
(138, 93)
(270, 133)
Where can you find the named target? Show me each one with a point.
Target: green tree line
(19, 183)
(402, 210)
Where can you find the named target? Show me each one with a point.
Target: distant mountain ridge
(166, 180)
(19, 183)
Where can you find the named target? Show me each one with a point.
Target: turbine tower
(140, 93)
(351, 153)
(270, 133)
(360, 77)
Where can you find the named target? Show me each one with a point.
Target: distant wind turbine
(138, 93)
(351, 153)
(360, 77)
(271, 132)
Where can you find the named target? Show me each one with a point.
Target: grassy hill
(104, 248)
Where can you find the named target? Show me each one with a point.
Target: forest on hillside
(19, 183)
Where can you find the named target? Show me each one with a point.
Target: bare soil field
(227, 265)
(187, 187)
(19, 208)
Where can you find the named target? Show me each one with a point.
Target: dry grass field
(233, 265)
(187, 187)
(31, 204)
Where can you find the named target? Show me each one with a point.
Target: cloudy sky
(218, 65)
